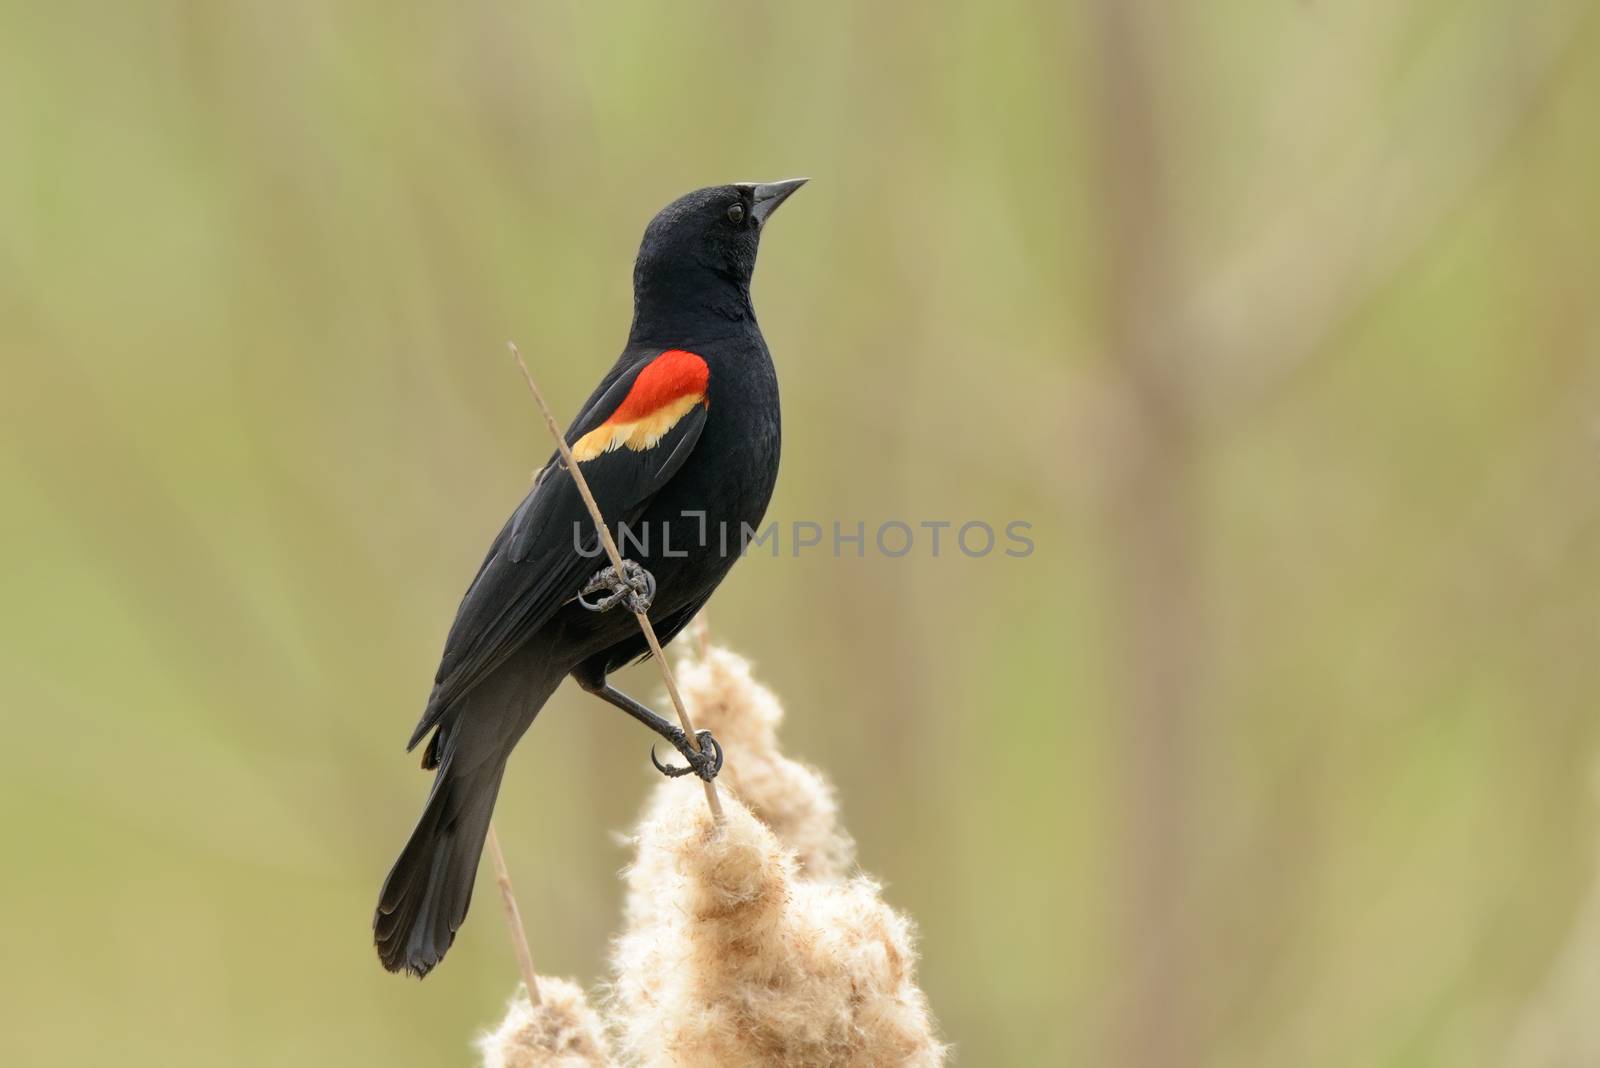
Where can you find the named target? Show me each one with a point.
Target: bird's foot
(704, 762)
(635, 587)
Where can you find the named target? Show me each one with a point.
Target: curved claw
(671, 771)
(602, 604)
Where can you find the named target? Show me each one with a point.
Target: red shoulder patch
(674, 374)
(663, 393)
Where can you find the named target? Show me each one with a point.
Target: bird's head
(699, 252)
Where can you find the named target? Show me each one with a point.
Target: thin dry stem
(606, 540)
(508, 898)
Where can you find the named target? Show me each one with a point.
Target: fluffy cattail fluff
(795, 801)
(562, 1031)
(741, 962)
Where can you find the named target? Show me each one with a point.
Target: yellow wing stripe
(637, 434)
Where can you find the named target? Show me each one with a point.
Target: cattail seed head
(562, 1031)
(789, 797)
(744, 963)
(745, 943)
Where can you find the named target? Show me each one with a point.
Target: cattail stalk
(519, 936)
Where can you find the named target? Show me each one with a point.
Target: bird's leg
(705, 762)
(635, 587)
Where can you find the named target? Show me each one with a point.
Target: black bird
(679, 444)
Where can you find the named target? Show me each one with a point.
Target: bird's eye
(736, 213)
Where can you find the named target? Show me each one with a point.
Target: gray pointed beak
(768, 195)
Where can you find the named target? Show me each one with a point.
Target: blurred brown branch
(1152, 538)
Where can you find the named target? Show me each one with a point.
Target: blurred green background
(1277, 321)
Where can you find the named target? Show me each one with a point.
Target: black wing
(534, 566)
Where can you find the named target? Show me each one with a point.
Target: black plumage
(694, 345)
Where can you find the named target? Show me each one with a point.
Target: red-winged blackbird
(679, 444)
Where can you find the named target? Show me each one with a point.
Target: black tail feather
(425, 898)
